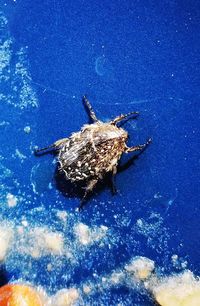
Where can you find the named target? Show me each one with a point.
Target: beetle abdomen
(91, 160)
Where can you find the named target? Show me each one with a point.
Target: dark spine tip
(136, 114)
(36, 151)
(84, 98)
(150, 139)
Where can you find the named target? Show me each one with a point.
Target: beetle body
(86, 156)
(92, 152)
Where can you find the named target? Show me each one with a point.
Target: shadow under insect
(90, 156)
(66, 187)
(77, 189)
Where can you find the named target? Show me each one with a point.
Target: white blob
(178, 290)
(66, 297)
(40, 241)
(11, 200)
(27, 129)
(116, 277)
(87, 235)
(6, 236)
(24, 223)
(87, 289)
(140, 267)
(62, 215)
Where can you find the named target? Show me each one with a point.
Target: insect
(88, 155)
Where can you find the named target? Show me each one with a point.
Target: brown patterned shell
(92, 152)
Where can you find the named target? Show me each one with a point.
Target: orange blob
(18, 295)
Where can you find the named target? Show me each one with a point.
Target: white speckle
(139, 222)
(5, 56)
(4, 123)
(82, 232)
(20, 155)
(49, 267)
(184, 264)
(62, 215)
(50, 186)
(87, 289)
(116, 277)
(11, 200)
(21, 93)
(27, 95)
(24, 223)
(157, 195)
(174, 257)
(27, 129)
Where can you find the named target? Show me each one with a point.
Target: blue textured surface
(125, 55)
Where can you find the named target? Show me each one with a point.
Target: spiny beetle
(88, 155)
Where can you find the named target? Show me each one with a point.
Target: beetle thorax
(106, 131)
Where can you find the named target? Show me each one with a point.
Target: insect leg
(55, 145)
(113, 183)
(89, 109)
(139, 147)
(123, 116)
(90, 186)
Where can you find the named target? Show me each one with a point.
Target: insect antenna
(55, 146)
(124, 116)
(42, 150)
(89, 109)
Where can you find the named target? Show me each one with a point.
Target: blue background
(125, 55)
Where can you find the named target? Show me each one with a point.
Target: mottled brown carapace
(95, 150)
